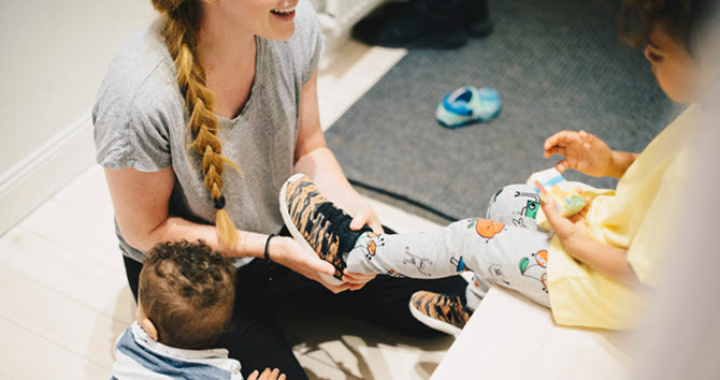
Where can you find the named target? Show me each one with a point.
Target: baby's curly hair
(683, 20)
(188, 292)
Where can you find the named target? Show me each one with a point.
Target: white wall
(53, 58)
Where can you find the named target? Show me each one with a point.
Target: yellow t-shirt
(636, 217)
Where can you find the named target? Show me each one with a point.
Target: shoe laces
(333, 215)
(339, 224)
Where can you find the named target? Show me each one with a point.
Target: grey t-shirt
(140, 119)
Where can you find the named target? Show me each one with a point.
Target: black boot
(438, 24)
(477, 17)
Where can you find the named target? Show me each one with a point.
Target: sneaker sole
(434, 323)
(296, 234)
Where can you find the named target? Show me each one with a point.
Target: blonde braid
(180, 34)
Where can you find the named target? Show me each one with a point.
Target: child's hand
(569, 228)
(583, 152)
(267, 375)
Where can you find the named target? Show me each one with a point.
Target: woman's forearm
(322, 167)
(176, 228)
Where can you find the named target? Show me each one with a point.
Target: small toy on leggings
(567, 202)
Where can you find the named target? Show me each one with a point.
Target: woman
(199, 121)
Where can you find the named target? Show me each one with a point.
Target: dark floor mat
(557, 64)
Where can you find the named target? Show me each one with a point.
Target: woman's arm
(141, 202)
(141, 208)
(314, 159)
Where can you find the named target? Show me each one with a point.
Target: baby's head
(186, 295)
(671, 32)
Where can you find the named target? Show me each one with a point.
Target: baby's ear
(149, 328)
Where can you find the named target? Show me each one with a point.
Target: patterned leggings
(508, 249)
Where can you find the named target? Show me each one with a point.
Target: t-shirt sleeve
(130, 137)
(313, 40)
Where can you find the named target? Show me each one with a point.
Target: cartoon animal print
(394, 273)
(488, 228)
(534, 196)
(519, 222)
(373, 245)
(459, 263)
(419, 262)
(531, 209)
(536, 267)
(532, 206)
(497, 274)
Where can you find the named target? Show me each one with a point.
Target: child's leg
(513, 256)
(515, 204)
(510, 251)
(475, 291)
(440, 253)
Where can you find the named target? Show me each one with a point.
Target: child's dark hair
(187, 291)
(683, 20)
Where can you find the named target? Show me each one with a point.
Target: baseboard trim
(33, 180)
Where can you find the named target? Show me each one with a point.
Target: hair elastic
(220, 202)
(267, 244)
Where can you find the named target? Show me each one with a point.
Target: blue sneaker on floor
(468, 105)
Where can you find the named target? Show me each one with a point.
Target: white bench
(510, 337)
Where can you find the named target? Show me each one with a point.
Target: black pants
(264, 288)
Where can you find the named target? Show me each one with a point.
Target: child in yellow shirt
(587, 267)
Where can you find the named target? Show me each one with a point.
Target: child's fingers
(282, 377)
(555, 149)
(254, 375)
(553, 217)
(583, 213)
(562, 165)
(559, 139)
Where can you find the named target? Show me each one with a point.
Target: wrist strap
(267, 244)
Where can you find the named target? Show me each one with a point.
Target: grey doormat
(557, 64)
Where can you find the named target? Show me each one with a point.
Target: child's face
(676, 72)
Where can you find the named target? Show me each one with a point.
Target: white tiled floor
(65, 299)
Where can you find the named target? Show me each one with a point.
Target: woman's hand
(288, 253)
(267, 375)
(363, 215)
(583, 152)
(356, 281)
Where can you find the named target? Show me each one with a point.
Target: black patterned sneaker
(441, 312)
(317, 223)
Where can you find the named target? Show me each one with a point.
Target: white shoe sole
(434, 323)
(296, 233)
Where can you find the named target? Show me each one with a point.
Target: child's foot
(441, 312)
(317, 223)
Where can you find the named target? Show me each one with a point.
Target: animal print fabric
(508, 249)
